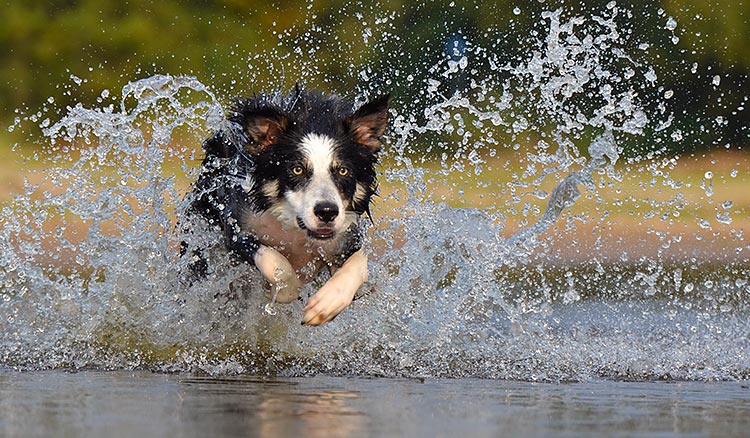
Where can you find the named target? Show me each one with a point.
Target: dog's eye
(343, 171)
(298, 170)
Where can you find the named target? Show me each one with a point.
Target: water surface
(126, 404)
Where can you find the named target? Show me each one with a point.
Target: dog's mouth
(320, 234)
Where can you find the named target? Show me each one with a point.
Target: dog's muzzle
(321, 233)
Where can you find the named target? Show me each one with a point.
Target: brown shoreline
(623, 232)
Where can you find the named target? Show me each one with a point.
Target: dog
(287, 180)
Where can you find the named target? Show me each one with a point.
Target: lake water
(128, 404)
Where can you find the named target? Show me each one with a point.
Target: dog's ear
(264, 127)
(369, 122)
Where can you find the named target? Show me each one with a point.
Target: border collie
(287, 180)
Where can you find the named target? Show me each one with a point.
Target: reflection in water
(123, 404)
(271, 408)
(317, 414)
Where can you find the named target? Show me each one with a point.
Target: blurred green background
(60, 52)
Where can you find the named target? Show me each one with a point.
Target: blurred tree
(712, 83)
(241, 46)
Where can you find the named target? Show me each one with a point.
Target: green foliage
(244, 46)
(719, 28)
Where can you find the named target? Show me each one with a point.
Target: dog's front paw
(338, 292)
(328, 302)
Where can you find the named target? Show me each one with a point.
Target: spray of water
(90, 272)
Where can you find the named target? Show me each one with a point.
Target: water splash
(90, 274)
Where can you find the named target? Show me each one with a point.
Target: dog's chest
(307, 256)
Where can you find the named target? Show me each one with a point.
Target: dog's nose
(326, 211)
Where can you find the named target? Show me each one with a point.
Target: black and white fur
(286, 180)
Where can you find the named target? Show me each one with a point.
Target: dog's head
(310, 158)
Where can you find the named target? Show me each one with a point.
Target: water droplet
(517, 10)
(668, 94)
(724, 218)
(689, 287)
(671, 24)
(268, 308)
(716, 80)
(571, 296)
(708, 175)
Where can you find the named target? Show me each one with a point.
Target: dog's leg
(338, 292)
(285, 285)
(279, 272)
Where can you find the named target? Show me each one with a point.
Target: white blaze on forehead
(319, 150)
